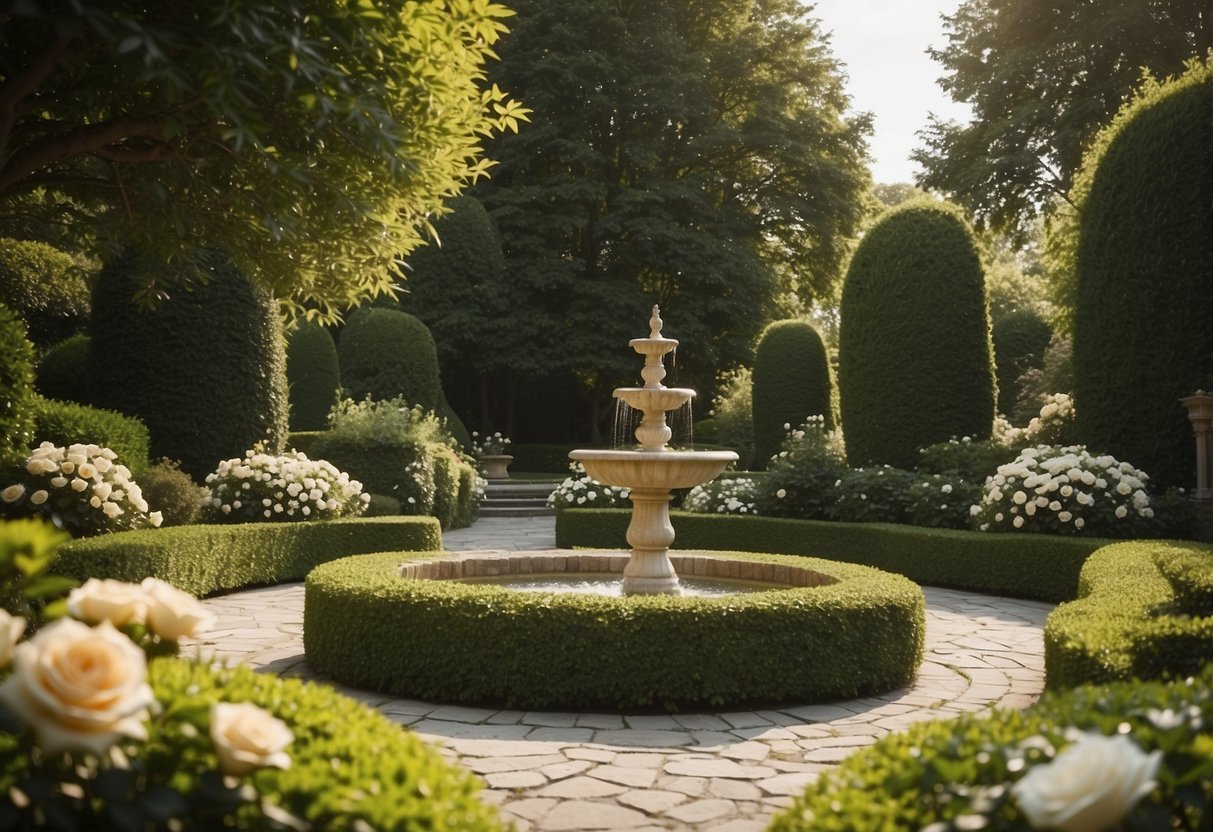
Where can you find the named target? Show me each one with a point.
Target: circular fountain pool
(611, 586)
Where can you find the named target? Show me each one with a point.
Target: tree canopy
(311, 141)
(693, 154)
(1043, 76)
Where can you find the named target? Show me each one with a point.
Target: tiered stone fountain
(652, 470)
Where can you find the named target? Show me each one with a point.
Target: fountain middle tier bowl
(653, 469)
(655, 399)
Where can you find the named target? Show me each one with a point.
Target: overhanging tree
(311, 141)
(1043, 76)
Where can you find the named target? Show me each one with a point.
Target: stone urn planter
(496, 466)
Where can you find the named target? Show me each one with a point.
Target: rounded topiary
(915, 363)
(1020, 341)
(45, 287)
(205, 369)
(792, 381)
(63, 371)
(1144, 277)
(170, 491)
(67, 423)
(16, 388)
(384, 353)
(313, 376)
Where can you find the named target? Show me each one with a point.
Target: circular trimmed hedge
(451, 641)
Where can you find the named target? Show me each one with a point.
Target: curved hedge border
(206, 559)
(1128, 621)
(367, 626)
(1042, 567)
(933, 775)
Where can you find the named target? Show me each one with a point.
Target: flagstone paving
(724, 772)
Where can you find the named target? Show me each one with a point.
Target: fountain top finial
(655, 322)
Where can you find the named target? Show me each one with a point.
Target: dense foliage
(1020, 339)
(170, 491)
(204, 370)
(63, 370)
(67, 423)
(792, 381)
(385, 353)
(46, 287)
(1143, 271)
(914, 354)
(311, 141)
(312, 374)
(16, 388)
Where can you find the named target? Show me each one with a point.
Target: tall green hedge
(16, 388)
(63, 371)
(1144, 277)
(792, 381)
(313, 376)
(45, 287)
(384, 353)
(1020, 341)
(915, 362)
(205, 369)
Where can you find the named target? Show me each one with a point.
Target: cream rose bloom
(1090, 786)
(79, 688)
(11, 628)
(247, 738)
(103, 599)
(173, 614)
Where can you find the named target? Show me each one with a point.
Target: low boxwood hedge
(351, 768)
(1042, 567)
(451, 641)
(952, 775)
(207, 559)
(1126, 621)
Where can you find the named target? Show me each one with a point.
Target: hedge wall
(465, 642)
(204, 560)
(1020, 341)
(541, 458)
(792, 381)
(1043, 567)
(16, 388)
(312, 376)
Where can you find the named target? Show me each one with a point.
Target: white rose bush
(270, 488)
(726, 495)
(82, 489)
(580, 491)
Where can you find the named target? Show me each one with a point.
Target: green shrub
(1020, 339)
(1043, 567)
(65, 423)
(1144, 276)
(203, 560)
(914, 363)
(540, 650)
(204, 369)
(62, 373)
(802, 479)
(966, 459)
(1189, 571)
(955, 774)
(45, 287)
(1126, 622)
(732, 422)
(454, 425)
(941, 501)
(312, 376)
(380, 505)
(170, 491)
(874, 495)
(386, 354)
(16, 389)
(302, 441)
(792, 381)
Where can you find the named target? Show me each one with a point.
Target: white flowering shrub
(1055, 425)
(579, 491)
(265, 487)
(1065, 490)
(941, 501)
(82, 489)
(729, 495)
(489, 445)
(802, 476)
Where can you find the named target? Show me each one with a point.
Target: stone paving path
(724, 771)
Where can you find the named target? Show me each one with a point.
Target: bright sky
(883, 45)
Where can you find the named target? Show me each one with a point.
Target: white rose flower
(103, 599)
(13, 493)
(156, 518)
(79, 485)
(39, 497)
(11, 628)
(247, 738)
(1088, 787)
(1079, 523)
(1065, 516)
(1017, 522)
(79, 688)
(111, 510)
(173, 614)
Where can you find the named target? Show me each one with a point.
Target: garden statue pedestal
(1200, 414)
(496, 466)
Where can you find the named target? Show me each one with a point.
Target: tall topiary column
(915, 362)
(384, 353)
(792, 381)
(205, 369)
(1020, 341)
(313, 375)
(16, 388)
(1143, 316)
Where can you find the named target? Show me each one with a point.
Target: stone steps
(516, 499)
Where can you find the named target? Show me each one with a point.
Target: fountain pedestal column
(649, 571)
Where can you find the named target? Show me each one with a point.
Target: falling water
(623, 431)
(680, 426)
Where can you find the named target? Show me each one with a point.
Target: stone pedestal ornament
(496, 466)
(1200, 414)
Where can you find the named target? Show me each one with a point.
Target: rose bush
(492, 444)
(82, 489)
(802, 476)
(267, 487)
(579, 491)
(728, 495)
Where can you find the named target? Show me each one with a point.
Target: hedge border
(366, 626)
(208, 559)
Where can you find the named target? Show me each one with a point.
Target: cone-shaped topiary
(16, 388)
(1020, 341)
(384, 353)
(915, 363)
(313, 376)
(792, 381)
(205, 369)
(1144, 277)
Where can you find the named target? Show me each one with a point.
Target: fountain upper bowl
(653, 469)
